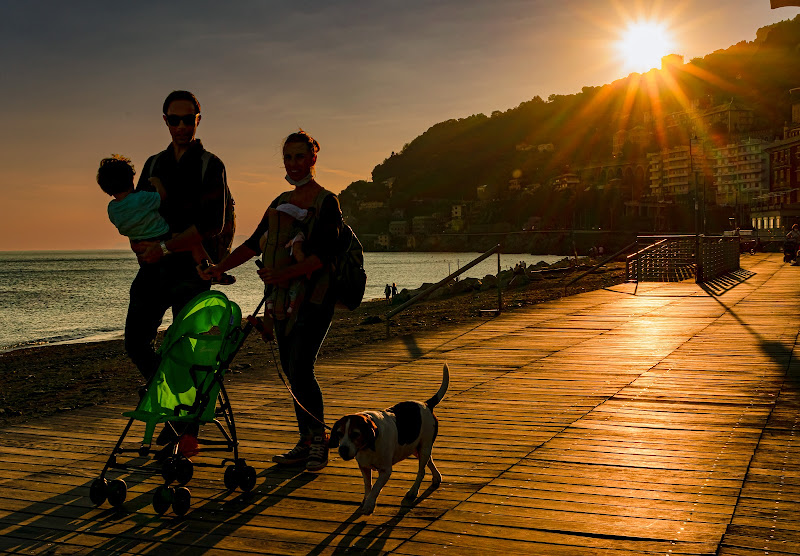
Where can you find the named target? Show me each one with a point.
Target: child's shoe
(188, 445)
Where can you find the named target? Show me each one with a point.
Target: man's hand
(148, 251)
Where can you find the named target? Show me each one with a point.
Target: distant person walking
(394, 291)
(791, 244)
(199, 211)
(388, 292)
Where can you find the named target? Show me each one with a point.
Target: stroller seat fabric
(195, 349)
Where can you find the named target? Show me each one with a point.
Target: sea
(50, 297)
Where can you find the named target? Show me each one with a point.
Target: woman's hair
(304, 138)
(115, 174)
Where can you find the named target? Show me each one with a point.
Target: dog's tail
(437, 397)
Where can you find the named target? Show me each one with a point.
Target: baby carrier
(186, 391)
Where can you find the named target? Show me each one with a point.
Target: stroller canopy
(196, 350)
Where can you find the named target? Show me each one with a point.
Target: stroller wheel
(117, 492)
(168, 470)
(231, 478)
(181, 501)
(97, 492)
(162, 499)
(247, 478)
(184, 469)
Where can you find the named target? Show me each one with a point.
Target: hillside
(452, 158)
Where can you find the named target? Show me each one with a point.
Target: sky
(82, 80)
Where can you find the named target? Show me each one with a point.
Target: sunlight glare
(642, 45)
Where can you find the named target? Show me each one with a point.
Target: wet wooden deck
(657, 421)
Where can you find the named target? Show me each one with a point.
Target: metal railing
(718, 255)
(428, 291)
(598, 265)
(667, 259)
(677, 258)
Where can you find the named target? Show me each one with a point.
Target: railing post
(499, 289)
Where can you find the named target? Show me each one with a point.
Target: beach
(44, 380)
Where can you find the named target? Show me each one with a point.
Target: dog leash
(286, 384)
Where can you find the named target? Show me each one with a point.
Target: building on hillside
(424, 225)
(733, 117)
(674, 172)
(398, 227)
(638, 136)
(780, 208)
(566, 181)
(383, 241)
(458, 211)
(741, 173)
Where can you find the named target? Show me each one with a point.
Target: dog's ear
(370, 431)
(336, 433)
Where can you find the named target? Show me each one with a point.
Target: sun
(642, 45)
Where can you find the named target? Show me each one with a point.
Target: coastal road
(658, 419)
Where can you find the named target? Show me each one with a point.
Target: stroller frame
(199, 382)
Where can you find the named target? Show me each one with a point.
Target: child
(135, 213)
(295, 247)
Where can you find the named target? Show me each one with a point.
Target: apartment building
(673, 171)
(741, 172)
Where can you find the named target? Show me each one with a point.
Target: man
(198, 208)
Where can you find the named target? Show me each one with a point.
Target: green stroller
(186, 392)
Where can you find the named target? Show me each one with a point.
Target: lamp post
(698, 261)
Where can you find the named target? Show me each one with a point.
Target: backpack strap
(205, 158)
(152, 165)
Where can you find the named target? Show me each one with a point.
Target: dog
(379, 439)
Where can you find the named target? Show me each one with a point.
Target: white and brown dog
(379, 439)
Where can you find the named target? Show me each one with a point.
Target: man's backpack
(349, 277)
(221, 243)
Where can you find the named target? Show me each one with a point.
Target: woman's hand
(273, 276)
(210, 271)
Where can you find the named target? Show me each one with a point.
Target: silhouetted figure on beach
(387, 291)
(394, 291)
(199, 211)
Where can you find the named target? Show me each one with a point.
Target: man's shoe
(318, 453)
(298, 454)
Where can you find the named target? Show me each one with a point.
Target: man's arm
(210, 219)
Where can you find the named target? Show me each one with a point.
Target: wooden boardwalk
(664, 422)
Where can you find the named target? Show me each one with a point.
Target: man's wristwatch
(164, 248)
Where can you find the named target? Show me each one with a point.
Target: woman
(299, 299)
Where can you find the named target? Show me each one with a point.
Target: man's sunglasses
(188, 120)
